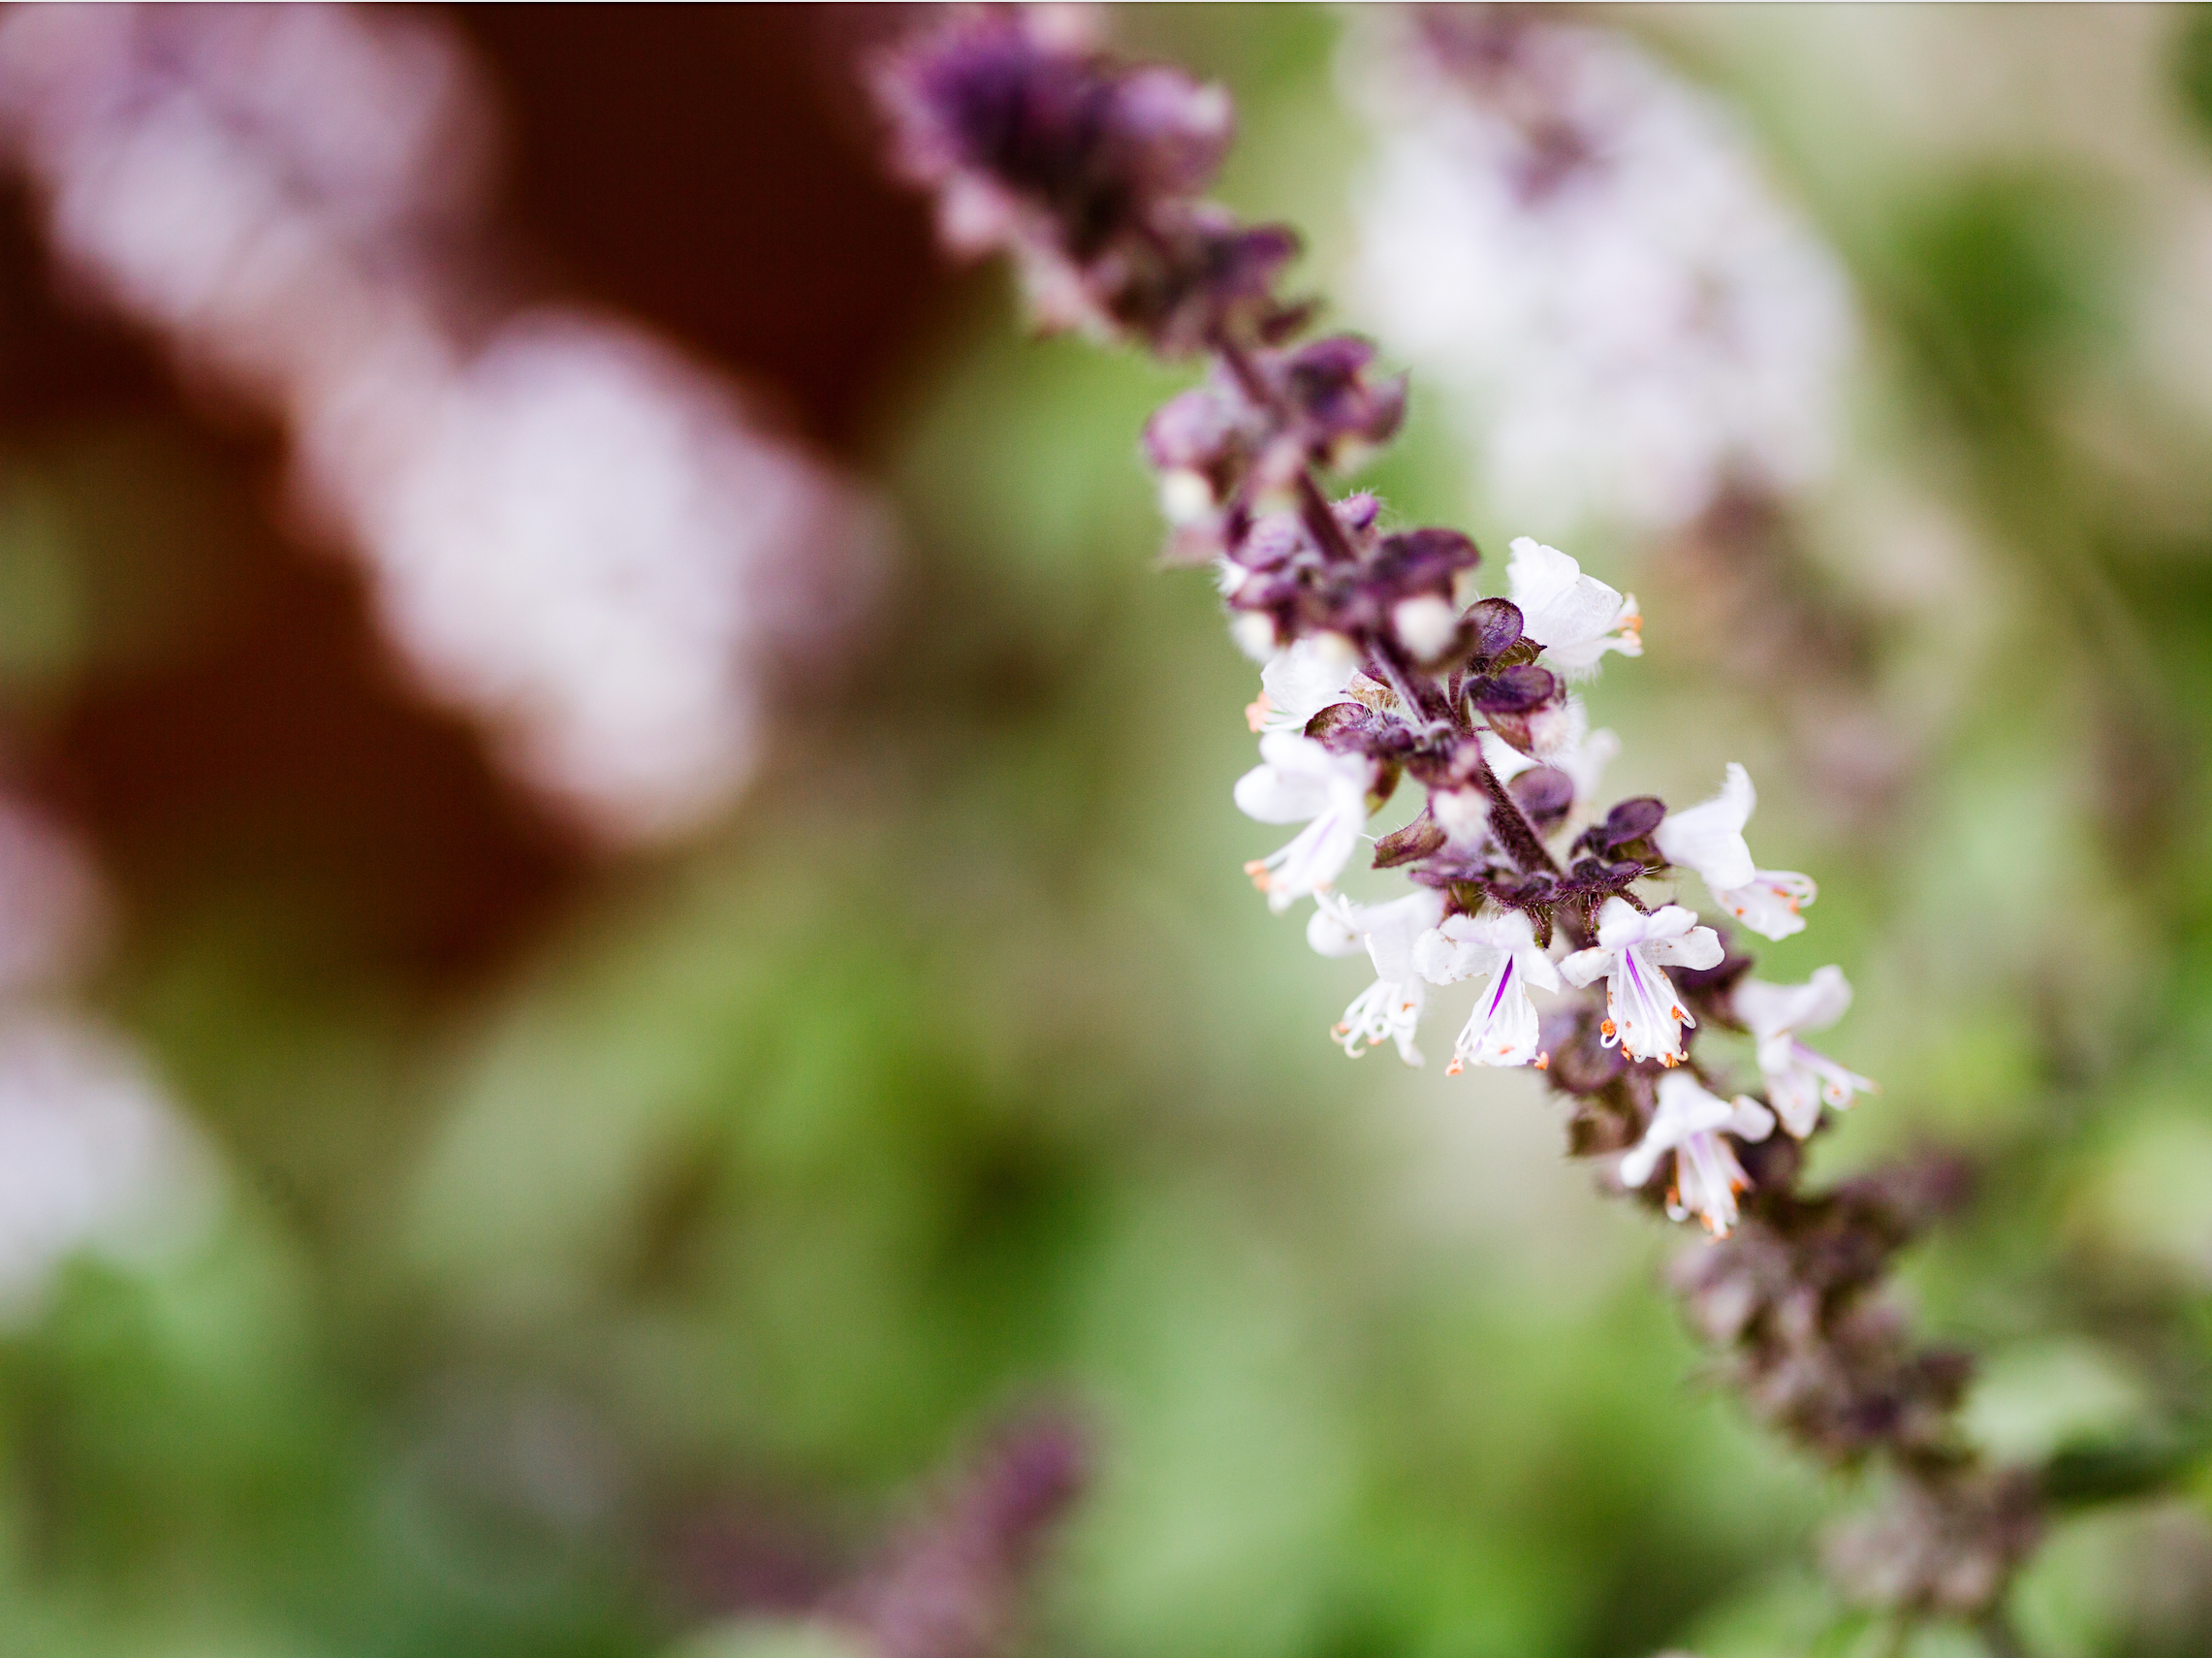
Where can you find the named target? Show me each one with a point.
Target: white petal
(1537, 575)
(1709, 838)
(1535, 965)
(1699, 947)
(1502, 1029)
(1620, 923)
(1670, 921)
(1442, 959)
(1646, 1015)
(1796, 1096)
(1750, 1121)
(1814, 1006)
(1331, 930)
(1309, 675)
(1312, 860)
(1393, 928)
(1276, 796)
(1579, 969)
(1687, 1107)
(1575, 617)
(1467, 946)
(1769, 904)
(1637, 1166)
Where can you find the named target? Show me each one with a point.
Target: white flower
(1643, 1013)
(1301, 680)
(1707, 1176)
(1798, 1079)
(1390, 1008)
(1708, 839)
(1618, 324)
(1575, 617)
(1300, 781)
(1502, 1028)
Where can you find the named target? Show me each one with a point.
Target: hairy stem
(1507, 821)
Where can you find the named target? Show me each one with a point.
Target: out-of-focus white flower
(1575, 617)
(1390, 1008)
(1298, 781)
(573, 536)
(1688, 1123)
(1581, 249)
(1643, 1013)
(1708, 839)
(1799, 1079)
(92, 1155)
(1301, 680)
(1502, 946)
(576, 534)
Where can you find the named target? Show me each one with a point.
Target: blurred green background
(596, 1230)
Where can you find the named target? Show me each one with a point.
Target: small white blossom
(1298, 781)
(1575, 617)
(1462, 814)
(1253, 633)
(1798, 1078)
(1302, 679)
(1688, 1123)
(1643, 1012)
(1503, 945)
(1390, 1008)
(1424, 625)
(1708, 839)
(1184, 497)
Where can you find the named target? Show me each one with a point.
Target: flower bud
(1464, 814)
(1425, 625)
(1186, 497)
(1497, 626)
(1545, 793)
(1255, 634)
